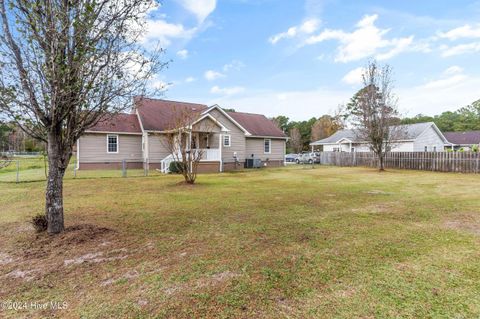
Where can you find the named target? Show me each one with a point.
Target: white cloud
(448, 51)
(466, 31)
(190, 79)
(164, 32)
(449, 78)
(160, 85)
(200, 8)
(159, 30)
(354, 77)
(228, 90)
(271, 103)
(365, 41)
(211, 75)
(234, 65)
(435, 97)
(183, 54)
(446, 82)
(412, 100)
(453, 70)
(307, 27)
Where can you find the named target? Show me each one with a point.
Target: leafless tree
(185, 151)
(65, 65)
(295, 140)
(373, 111)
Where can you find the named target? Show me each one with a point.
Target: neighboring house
(226, 138)
(420, 137)
(462, 140)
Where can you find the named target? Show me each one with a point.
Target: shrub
(175, 167)
(39, 222)
(475, 148)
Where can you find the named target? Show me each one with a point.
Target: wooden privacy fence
(460, 162)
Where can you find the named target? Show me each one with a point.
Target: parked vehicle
(308, 158)
(291, 158)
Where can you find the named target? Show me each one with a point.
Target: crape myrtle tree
(373, 111)
(65, 66)
(182, 145)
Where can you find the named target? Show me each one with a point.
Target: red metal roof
(257, 124)
(160, 115)
(118, 123)
(463, 138)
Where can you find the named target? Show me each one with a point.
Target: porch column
(190, 149)
(220, 151)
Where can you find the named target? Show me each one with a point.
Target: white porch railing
(165, 164)
(211, 154)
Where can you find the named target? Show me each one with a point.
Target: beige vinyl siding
(93, 148)
(206, 125)
(255, 146)
(237, 138)
(157, 147)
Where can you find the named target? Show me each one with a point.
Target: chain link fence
(35, 169)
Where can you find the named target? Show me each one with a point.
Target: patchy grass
(292, 242)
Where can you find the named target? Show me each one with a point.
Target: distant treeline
(464, 119)
(301, 133)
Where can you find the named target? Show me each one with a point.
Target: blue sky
(304, 58)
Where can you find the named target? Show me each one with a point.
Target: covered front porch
(203, 142)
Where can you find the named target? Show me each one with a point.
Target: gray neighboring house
(462, 140)
(139, 138)
(419, 137)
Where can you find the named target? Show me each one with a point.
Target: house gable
(431, 138)
(218, 109)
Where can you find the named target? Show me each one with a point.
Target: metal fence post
(74, 168)
(124, 168)
(18, 172)
(145, 167)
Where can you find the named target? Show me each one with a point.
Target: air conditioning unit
(253, 163)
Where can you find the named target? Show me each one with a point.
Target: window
(227, 141)
(112, 143)
(434, 148)
(426, 148)
(267, 147)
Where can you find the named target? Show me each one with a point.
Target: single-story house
(419, 137)
(462, 140)
(139, 138)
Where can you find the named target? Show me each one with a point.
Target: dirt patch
(128, 276)
(377, 192)
(42, 254)
(210, 281)
(73, 236)
(469, 223)
(26, 275)
(98, 257)
(5, 259)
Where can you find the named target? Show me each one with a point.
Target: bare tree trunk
(54, 191)
(381, 159)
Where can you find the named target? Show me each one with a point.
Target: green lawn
(290, 242)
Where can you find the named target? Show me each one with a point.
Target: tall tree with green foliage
(65, 66)
(464, 119)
